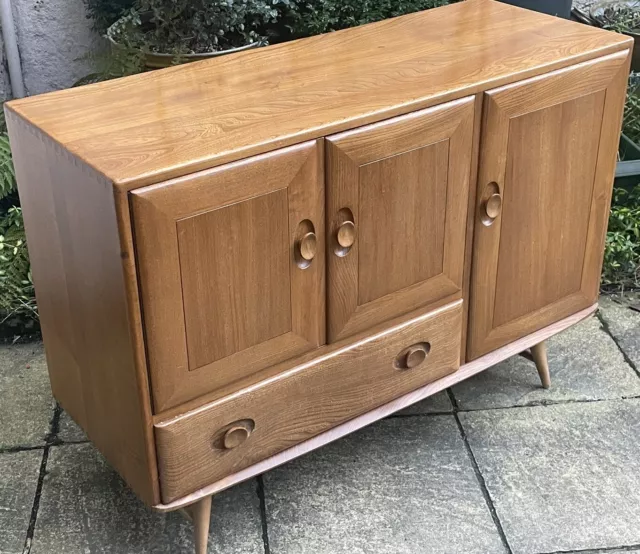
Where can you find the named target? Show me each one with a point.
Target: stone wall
(55, 41)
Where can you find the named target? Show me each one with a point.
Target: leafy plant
(104, 13)
(312, 17)
(622, 17)
(18, 310)
(7, 173)
(194, 26)
(631, 119)
(116, 62)
(622, 250)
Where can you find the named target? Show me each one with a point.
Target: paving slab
(563, 477)
(18, 482)
(438, 403)
(26, 404)
(401, 486)
(616, 551)
(85, 508)
(624, 324)
(585, 364)
(69, 430)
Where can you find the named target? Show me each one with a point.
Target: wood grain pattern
(234, 264)
(552, 154)
(200, 514)
(327, 391)
(80, 254)
(549, 149)
(406, 183)
(222, 292)
(465, 372)
(539, 356)
(471, 202)
(402, 210)
(159, 125)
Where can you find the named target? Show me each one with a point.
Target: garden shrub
(18, 312)
(311, 17)
(195, 26)
(622, 251)
(104, 13)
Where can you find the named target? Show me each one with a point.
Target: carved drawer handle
(236, 435)
(308, 246)
(493, 206)
(305, 244)
(413, 356)
(346, 234)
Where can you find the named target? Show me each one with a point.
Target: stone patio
(495, 465)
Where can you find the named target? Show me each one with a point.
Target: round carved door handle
(413, 356)
(308, 246)
(236, 435)
(493, 206)
(346, 234)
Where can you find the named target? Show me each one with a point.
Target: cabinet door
(231, 264)
(397, 197)
(547, 159)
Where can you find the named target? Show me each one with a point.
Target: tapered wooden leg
(200, 514)
(539, 355)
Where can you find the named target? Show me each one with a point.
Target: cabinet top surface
(163, 124)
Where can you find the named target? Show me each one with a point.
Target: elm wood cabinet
(240, 260)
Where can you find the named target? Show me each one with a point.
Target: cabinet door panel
(405, 184)
(246, 245)
(225, 291)
(548, 149)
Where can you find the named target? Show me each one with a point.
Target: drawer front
(207, 444)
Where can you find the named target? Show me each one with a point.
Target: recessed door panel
(397, 196)
(405, 245)
(547, 158)
(232, 272)
(235, 277)
(551, 167)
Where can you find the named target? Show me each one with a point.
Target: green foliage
(622, 251)
(631, 121)
(195, 26)
(7, 173)
(312, 17)
(18, 310)
(620, 17)
(104, 13)
(120, 61)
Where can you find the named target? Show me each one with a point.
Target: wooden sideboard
(242, 259)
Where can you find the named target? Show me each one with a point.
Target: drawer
(207, 444)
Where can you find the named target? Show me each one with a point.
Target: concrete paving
(26, 404)
(563, 477)
(86, 508)
(624, 324)
(18, 481)
(495, 465)
(585, 364)
(398, 487)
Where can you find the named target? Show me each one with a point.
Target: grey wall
(54, 39)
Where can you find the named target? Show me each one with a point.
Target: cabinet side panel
(78, 269)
